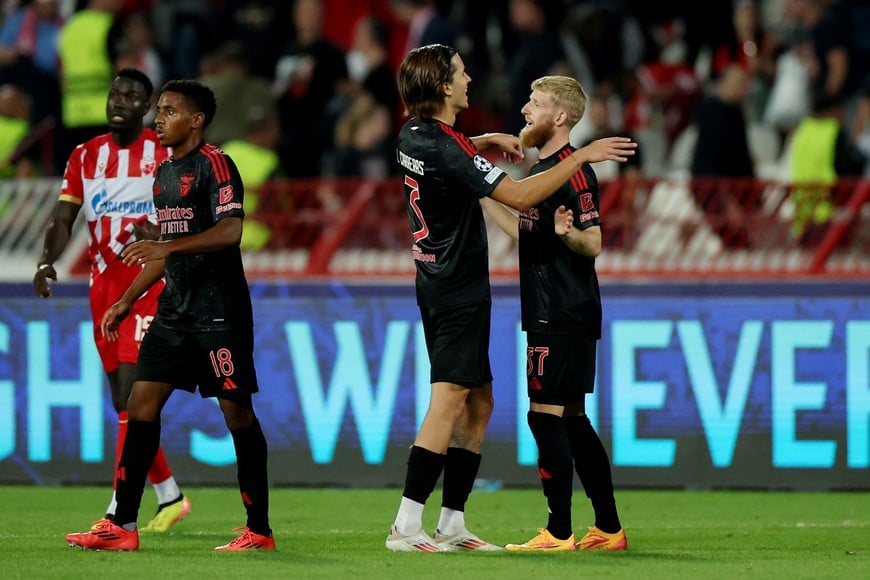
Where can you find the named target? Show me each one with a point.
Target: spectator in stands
(14, 127)
(749, 45)
(239, 94)
(137, 50)
(538, 47)
(87, 46)
(829, 37)
(364, 132)
(29, 37)
(258, 162)
(667, 87)
(258, 25)
(821, 153)
(721, 151)
(622, 228)
(179, 26)
(308, 78)
(28, 56)
(426, 25)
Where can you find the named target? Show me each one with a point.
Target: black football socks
(140, 447)
(424, 469)
(460, 471)
(555, 469)
(251, 461)
(593, 468)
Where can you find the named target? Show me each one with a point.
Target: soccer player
(445, 176)
(110, 177)
(202, 335)
(561, 314)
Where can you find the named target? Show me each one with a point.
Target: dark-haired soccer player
(445, 176)
(110, 177)
(561, 314)
(202, 335)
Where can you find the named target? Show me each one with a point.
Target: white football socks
(409, 520)
(167, 490)
(451, 521)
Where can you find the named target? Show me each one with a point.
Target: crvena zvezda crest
(147, 165)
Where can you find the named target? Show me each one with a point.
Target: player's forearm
(503, 218)
(584, 242)
(56, 240)
(59, 231)
(151, 273)
(225, 233)
(525, 194)
(484, 141)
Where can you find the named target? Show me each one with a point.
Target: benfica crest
(184, 187)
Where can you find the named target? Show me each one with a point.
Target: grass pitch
(330, 533)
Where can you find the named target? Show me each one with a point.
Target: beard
(536, 136)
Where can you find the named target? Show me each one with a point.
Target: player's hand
(564, 220)
(609, 149)
(41, 285)
(145, 230)
(137, 253)
(510, 147)
(112, 319)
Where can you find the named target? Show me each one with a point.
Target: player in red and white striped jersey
(110, 180)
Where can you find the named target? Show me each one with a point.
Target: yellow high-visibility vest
(813, 148)
(255, 166)
(12, 131)
(86, 70)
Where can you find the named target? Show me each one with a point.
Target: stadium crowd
(313, 80)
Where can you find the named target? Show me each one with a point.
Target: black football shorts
(219, 362)
(560, 369)
(458, 343)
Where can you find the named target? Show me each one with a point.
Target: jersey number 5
(413, 198)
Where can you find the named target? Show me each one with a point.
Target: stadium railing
(661, 228)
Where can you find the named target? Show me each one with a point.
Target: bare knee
(146, 401)
(236, 416)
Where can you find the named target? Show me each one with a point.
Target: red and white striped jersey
(114, 186)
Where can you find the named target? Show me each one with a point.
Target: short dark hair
(421, 78)
(197, 94)
(138, 76)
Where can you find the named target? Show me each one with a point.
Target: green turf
(340, 533)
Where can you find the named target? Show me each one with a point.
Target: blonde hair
(566, 93)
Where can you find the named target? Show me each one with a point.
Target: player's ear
(198, 120)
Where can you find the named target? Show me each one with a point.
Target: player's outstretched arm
(509, 145)
(528, 192)
(502, 216)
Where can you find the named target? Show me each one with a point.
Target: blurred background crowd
(306, 88)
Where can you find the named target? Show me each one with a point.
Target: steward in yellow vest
(257, 162)
(820, 153)
(86, 67)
